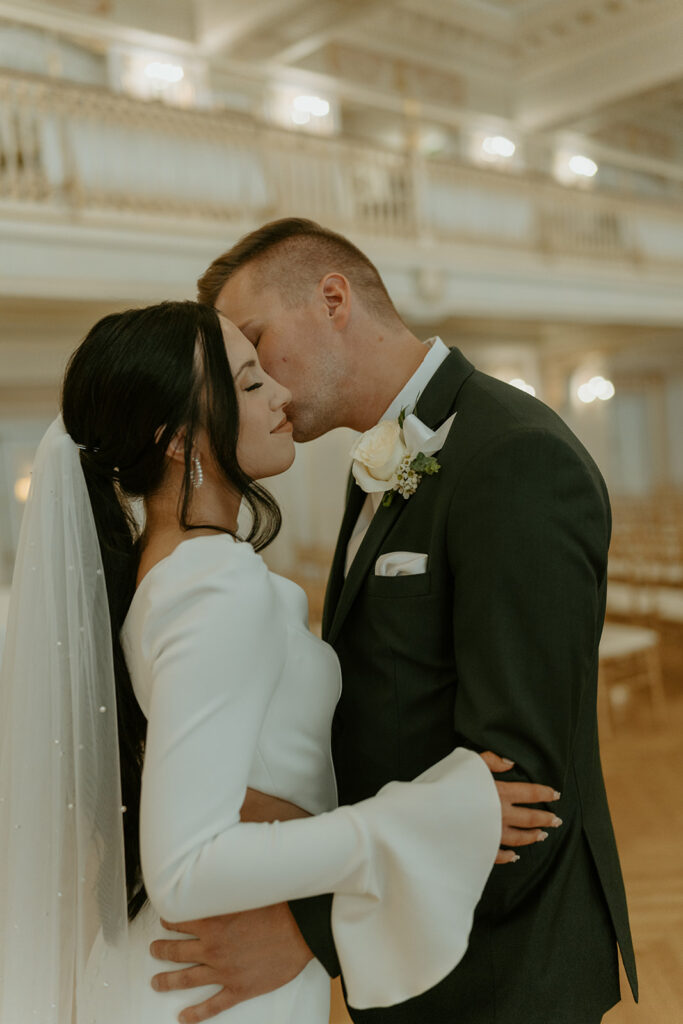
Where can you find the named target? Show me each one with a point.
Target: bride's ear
(176, 447)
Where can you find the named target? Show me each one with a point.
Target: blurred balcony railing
(71, 150)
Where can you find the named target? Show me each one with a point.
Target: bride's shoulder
(202, 570)
(216, 551)
(211, 597)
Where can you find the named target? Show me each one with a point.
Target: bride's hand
(522, 825)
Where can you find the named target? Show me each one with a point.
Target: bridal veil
(62, 870)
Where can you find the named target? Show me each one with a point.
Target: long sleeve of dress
(407, 867)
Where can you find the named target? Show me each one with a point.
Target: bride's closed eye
(253, 387)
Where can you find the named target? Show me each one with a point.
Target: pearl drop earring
(197, 473)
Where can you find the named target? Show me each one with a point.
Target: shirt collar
(409, 394)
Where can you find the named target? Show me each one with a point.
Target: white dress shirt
(406, 398)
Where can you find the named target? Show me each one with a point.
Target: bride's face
(265, 446)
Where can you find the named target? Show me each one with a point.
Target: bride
(156, 681)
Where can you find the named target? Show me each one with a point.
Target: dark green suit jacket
(494, 647)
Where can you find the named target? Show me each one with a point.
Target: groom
(487, 637)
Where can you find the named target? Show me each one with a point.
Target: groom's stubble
(339, 377)
(297, 346)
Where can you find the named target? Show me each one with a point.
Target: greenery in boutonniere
(409, 475)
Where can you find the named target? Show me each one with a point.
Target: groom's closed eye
(251, 332)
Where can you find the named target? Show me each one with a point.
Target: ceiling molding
(438, 39)
(642, 61)
(459, 63)
(475, 15)
(337, 16)
(88, 27)
(222, 27)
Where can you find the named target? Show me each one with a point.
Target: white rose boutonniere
(377, 455)
(394, 455)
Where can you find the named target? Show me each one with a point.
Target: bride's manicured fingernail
(515, 859)
(556, 822)
(542, 836)
(506, 760)
(556, 795)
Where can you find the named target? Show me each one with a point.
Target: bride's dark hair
(136, 380)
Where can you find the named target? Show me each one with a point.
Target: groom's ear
(336, 293)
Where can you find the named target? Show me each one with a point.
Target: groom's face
(294, 347)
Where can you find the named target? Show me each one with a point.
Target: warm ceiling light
(310, 105)
(583, 165)
(596, 387)
(166, 73)
(519, 382)
(602, 388)
(300, 117)
(21, 488)
(498, 145)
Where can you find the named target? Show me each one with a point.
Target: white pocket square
(401, 563)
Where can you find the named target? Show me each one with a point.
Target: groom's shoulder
(490, 411)
(494, 407)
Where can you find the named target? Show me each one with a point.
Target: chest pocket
(399, 586)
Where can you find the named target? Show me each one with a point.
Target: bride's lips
(284, 428)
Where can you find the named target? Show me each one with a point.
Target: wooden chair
(670, 627)
(629, 658)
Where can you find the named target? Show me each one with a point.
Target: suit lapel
(433, 407)
(381, 523)
(354, 503)
(437, 401)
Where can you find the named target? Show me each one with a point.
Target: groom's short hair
(294, 254)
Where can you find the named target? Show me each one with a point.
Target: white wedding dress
(238, 692)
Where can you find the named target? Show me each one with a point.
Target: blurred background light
(314, 105)
(583, 166)
(519, 382)
(21, 488)
(289, 107)
(596, 387)
(498, 145)
(164, 74)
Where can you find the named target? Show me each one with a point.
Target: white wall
(18, 442)
(311, 495)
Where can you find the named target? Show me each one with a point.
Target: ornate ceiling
(610, 68)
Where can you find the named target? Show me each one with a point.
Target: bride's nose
(281, 397)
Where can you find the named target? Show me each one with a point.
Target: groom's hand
(247, 954)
